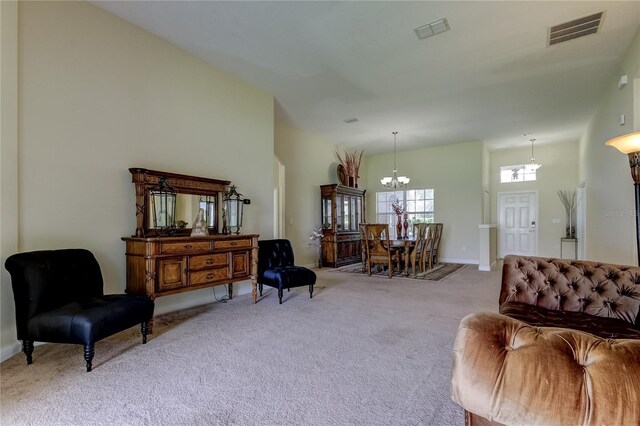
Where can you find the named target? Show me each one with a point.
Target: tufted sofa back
(46, 279)
(601, 289)
(273, 254)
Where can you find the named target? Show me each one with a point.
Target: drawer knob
(188, 246)
(209, 261)
(209, 276)
(233, 243)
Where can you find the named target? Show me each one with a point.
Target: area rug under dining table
(436, 273)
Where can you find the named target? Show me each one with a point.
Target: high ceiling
(492, 77)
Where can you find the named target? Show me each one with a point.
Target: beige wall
(559, 171)
(8, 167)
(309, 162)
(455, 174)
(610, 230)
(97, 96)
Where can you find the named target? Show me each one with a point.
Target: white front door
(518, 223)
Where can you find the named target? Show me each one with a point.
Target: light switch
(556, 221)
(622, 119)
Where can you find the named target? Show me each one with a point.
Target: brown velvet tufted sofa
(564, 350)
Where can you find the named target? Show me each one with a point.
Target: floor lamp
(630, 144)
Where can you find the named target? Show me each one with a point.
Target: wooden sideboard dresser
(160, 266)
(161, 262)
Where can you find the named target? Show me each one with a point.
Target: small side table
(569, 240)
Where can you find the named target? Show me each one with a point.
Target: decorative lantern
(233, 204)
(208, 204)
(163, 207)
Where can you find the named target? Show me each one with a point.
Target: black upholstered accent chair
(59, 299)
(276, 269)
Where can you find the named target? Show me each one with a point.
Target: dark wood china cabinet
(343, 210)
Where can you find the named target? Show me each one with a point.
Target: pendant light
(395, 181)
(533, 164)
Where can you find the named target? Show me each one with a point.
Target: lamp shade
(626, 143)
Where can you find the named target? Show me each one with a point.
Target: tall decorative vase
(351, 181)
(399, 227)
(571, 229)
(405, 225)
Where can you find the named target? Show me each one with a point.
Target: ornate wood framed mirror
(181, 196)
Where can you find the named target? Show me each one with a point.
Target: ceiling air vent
(436, 27)
(575, 29)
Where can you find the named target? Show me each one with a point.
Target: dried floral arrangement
(397, 206)
(568, 198)
(316, 236)
(351, 162)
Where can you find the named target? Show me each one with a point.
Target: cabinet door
(353, 222)
(240, 264)
(339, 213)
(172, 273)
(347, 213)
(326, 212)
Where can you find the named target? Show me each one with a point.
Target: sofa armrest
(507, 371)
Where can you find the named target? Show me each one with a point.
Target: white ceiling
(491, 77)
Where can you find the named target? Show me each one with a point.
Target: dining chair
(432, 245)
(378, 248)
(415, 255)
(363, 246)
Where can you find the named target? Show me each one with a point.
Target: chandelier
(533, 164)
(395, 181)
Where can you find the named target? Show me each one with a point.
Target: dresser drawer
(208, 276)
(232, 244)
(208, 261)
(185, 247)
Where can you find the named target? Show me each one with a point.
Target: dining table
(404, 245)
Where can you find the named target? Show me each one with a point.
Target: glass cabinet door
(339, 214)
(352, 215)
(347, 214)
(359, 218)
(326, 212)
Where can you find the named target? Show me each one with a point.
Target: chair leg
(260, 288)
(89, 352)
(280, 295)
(27, 348)
(310, 291)
(144, 328)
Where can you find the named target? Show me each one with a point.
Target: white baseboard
(172, 304)
(489, 268)
(10, 350)
(463, 261)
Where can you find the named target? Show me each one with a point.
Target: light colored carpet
(363, 351)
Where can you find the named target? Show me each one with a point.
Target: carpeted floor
(363, 351)
(436, 273)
